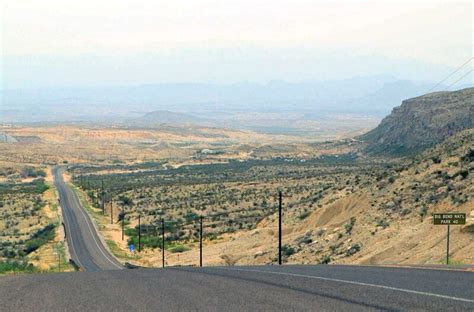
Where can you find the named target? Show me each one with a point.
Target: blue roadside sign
(131, 248)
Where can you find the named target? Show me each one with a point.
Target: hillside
(5, 138)
(334, 211)
(168, 117)
(422, 122)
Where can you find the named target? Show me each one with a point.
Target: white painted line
(90, 229)
(66, 189)
(357, 283)
(69, 231)
(66, 219)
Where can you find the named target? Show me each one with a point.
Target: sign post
(139, 235)
(163, 243)
(200, 241)
(102, 198)
(121, 217)
(448, 219)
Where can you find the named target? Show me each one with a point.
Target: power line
(451, 74)
(459, 79)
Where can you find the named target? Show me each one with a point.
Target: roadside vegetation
(28, 221)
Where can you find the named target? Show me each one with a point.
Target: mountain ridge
(422, 122)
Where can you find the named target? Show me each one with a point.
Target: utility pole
(139, 235)
(111, 211)
(103, 198)
(279, 226)
(163, 243)
(123, 224)
(200, 241)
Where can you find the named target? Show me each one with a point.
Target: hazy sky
(67, 43)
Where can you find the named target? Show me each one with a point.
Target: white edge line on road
(92, 233)
(66, 219)
(66, 188)
(357, 283)
(69, 231)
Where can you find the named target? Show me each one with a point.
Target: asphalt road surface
(85, 246)
(263, 288)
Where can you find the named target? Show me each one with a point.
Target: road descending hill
(85, 246)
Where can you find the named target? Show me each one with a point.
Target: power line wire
(459, 79)
(451, 74)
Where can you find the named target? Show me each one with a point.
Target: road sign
(449, 218)
(131, 248)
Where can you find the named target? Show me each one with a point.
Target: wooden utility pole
(163, 242)
(139, 235)
(200, 241)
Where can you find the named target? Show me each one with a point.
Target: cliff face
(422, 122)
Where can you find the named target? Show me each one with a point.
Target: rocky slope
(385, 220)
(422, 122)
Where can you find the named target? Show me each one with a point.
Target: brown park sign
(449, 218)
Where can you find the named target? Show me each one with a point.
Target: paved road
(85, 246)
(264, 288)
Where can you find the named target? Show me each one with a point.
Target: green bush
(353, 250)
(178, 248)
(350, 225)
(127, 201)
(147, 241)
(287, 250)
(16, 266)
(29, 172)
(40, 238)
(436, 159)
(304, 215)
(423, 211)
(326, 259)
(383, 223)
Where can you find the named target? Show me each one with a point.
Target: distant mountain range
(375, 95)
(422, 122)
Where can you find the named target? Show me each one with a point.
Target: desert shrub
(287, 250)
(464, 173)
(383, 223)
(326, 259)
(29, 172)
(353, 250)
(423, 211)
(127, 201)
(405, 212)
(304, 215)
(436, 159)
(150, 240)
(40, 238)
(350, 225)
(179, 248)
(16, 266)
(469, 156)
